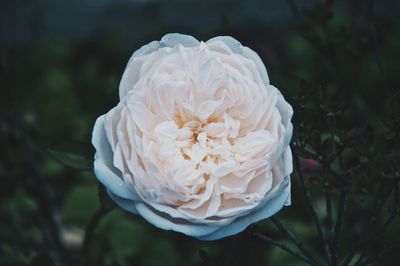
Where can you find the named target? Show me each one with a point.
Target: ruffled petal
(133, 67)
(232, 43)
(272, 204)
(247, 52)
(167, 223)
(103, 168)
(126, 204)
(174, 39)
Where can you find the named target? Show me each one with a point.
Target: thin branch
(376, 237)
(328, 199)
(91, 227)
(50, 226)
(283, 247)
(338, 227)
(294, 238)
(311, 208)
(377, 256)
(396, 200)
(372, 218)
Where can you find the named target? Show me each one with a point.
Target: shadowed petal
(269, 208)
(195, 230)
(233, 44)
(105, 172)
(173, 39)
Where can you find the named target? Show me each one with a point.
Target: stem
(284, 247)
(376, 238)
(396, 200)
(328, 199)
(338, 227)
(91, 227)
(372, 218)
(311, 208)
(294, 238)
(377, 256)
(50, 227)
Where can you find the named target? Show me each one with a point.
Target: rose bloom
(199, 141)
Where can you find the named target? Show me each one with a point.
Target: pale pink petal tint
(199, 142)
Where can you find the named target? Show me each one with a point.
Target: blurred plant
(345, 162)
(348, 162)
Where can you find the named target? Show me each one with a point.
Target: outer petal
(250, 54)
(286, 113)
(232, 43)
(126, 204)
(285, 109)
(176, 214)
(237, 48)
(173, 39)
(132, 69)
(145, 49)
(272, 204)
(168, 223)
(288, 169)
(105, 172)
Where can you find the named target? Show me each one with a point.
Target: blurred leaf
(80, 204)
(167, 253)
(77, 155)
(42, 260)
(126, 238)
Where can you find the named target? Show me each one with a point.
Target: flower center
(206, 145)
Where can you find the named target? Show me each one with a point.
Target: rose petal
(274, 204)
(173, 39)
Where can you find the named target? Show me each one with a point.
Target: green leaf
(79, 205)
(126, 239)
(77, 155)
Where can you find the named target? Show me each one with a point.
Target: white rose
(199, 142)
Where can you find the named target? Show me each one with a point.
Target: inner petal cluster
(200, 132)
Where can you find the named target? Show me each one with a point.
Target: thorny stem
(311, 208)
(283, 247)
(294, 238)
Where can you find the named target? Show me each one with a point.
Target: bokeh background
(60, 66)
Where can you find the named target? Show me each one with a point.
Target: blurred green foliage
(336, 63)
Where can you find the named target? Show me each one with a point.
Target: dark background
(61, 62)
